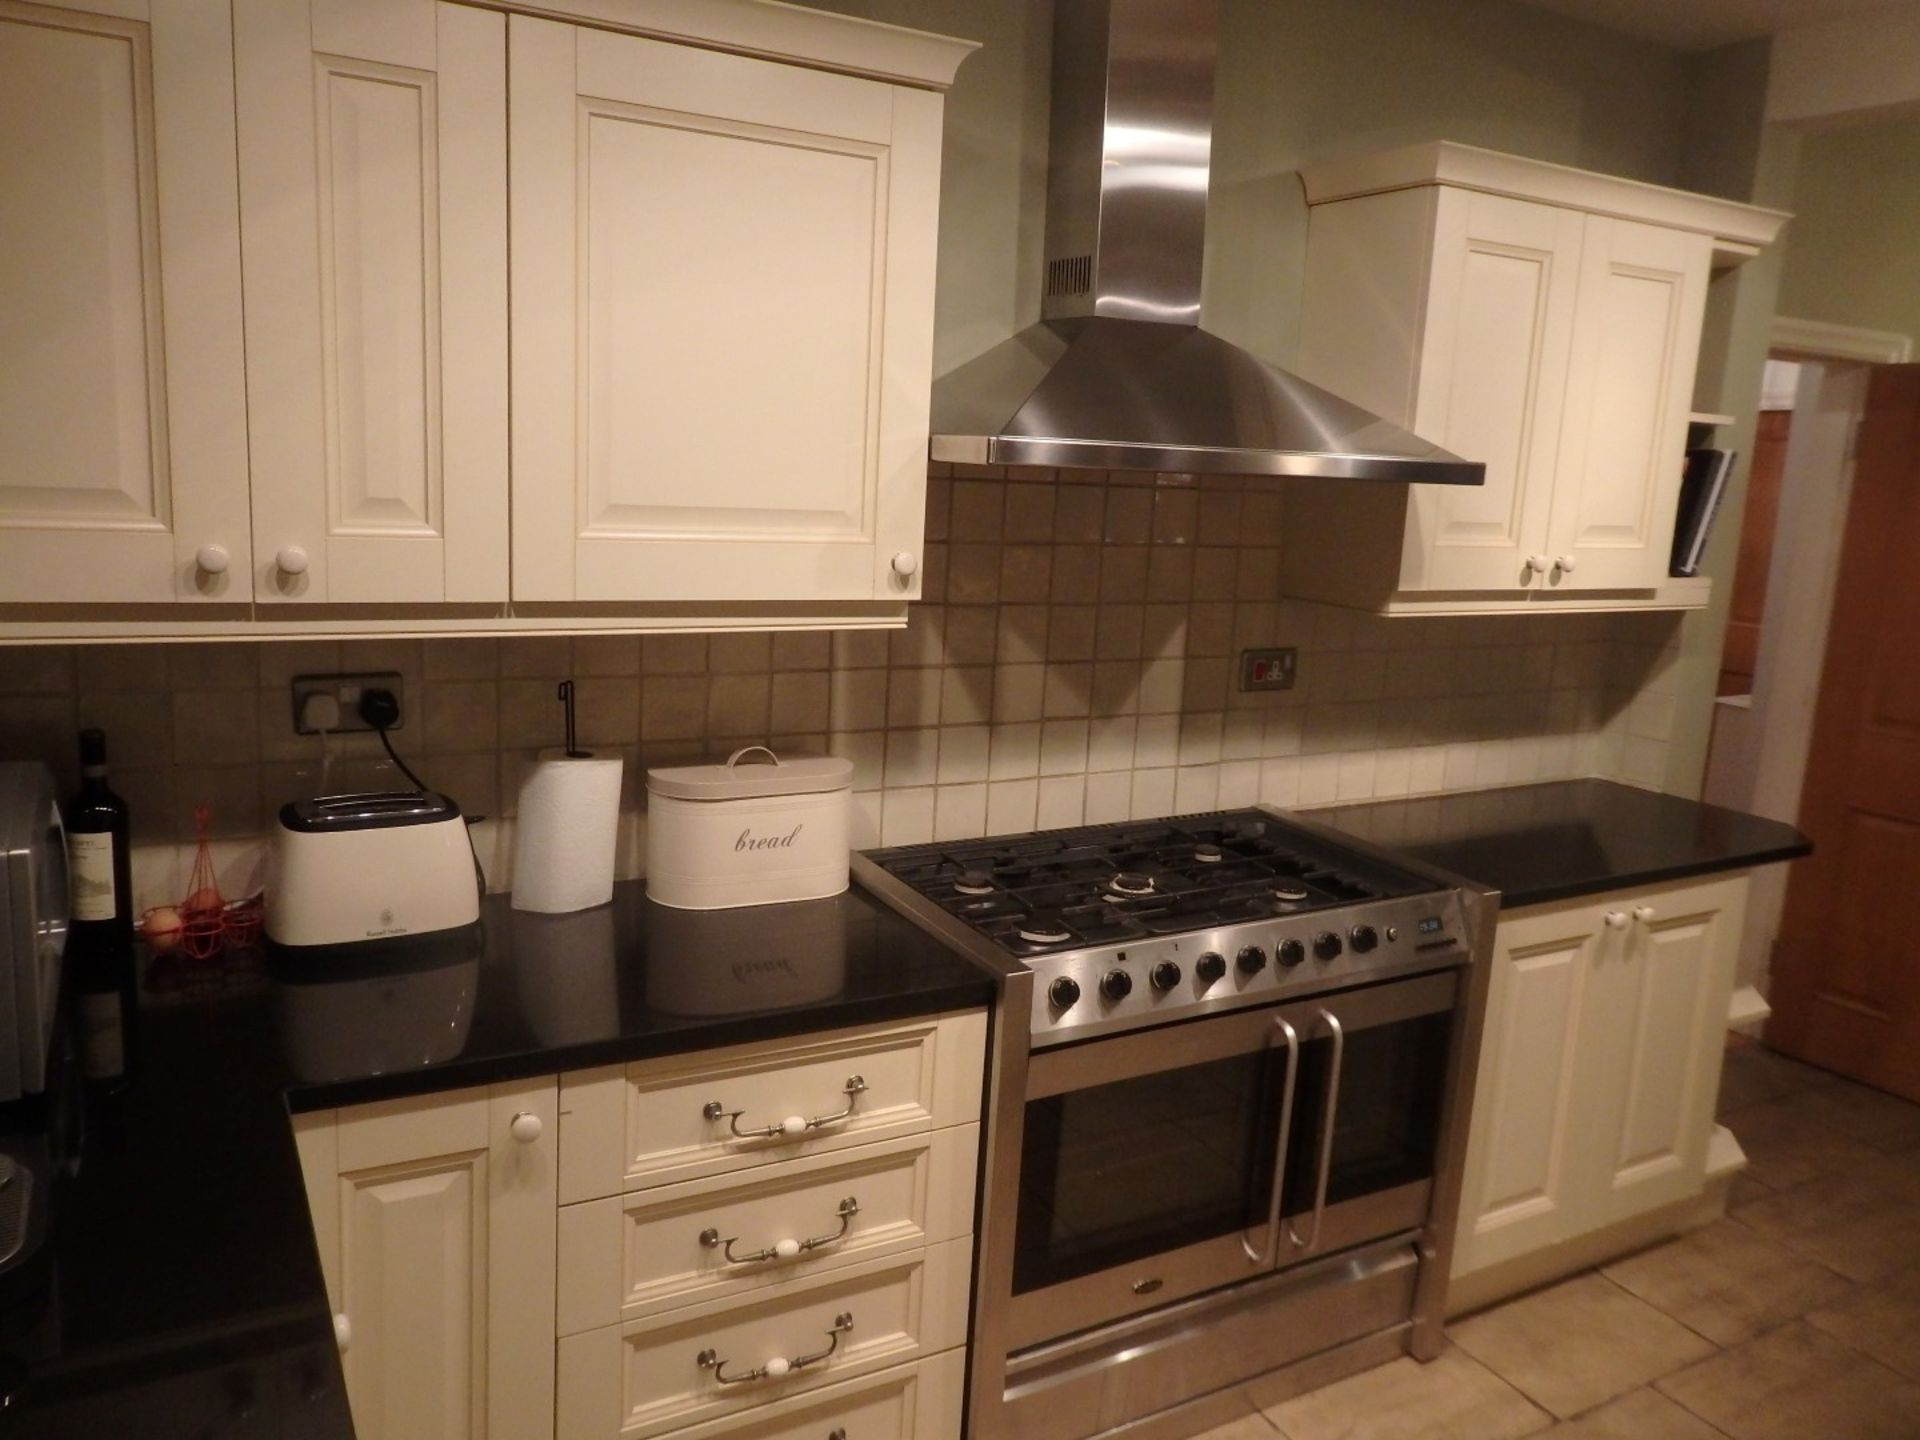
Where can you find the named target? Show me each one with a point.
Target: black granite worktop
(183, 1295)
(1568, 838)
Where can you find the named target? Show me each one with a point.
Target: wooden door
(1523, 1186)
(1636, 340)
(1493, 376)
(1741, 647)
(722, 323)
(1653, 1058)
(1846, 993)
(436, 1226)
(374, 219)
(123, 458)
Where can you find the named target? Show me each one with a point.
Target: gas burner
(1206, 854)
(1043, 932)
(973, 882)
(1290, 894)
(1131, 884)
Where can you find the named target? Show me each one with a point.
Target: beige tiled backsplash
(1073, 661)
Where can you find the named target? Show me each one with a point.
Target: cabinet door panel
(718, 261)
(1524, 1175)
(1637, 338)
(374, 212)
(1492, 385)
(1667, 986)
(122, 432)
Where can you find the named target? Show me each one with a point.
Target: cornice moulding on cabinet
(1739, 231)
(771, 30)
(1819, 340)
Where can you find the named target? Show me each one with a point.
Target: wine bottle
(99, 865)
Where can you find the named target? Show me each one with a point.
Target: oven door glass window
(1117, 1172)
(1387, 1124)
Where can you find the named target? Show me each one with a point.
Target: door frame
(1758, 758)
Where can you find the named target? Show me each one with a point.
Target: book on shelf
(1702, 488)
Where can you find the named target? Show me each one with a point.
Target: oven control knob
(1326, 945)
(1063, 992)
(1116, 985)
(1363, 938)
(1165, 975)
(1251, 960)
(1290, 953)
(1210, 967)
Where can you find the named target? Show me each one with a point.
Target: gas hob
(1148, 922)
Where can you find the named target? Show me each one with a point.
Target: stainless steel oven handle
(1327, 1114)
(1265, 1254)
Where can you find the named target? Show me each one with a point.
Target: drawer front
(627, 1257)
(646, 1377)
(922, 1401)
(660, 1122)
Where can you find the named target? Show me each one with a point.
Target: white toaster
(359, 869)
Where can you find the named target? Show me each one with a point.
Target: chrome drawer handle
(793, 1125)
(776, 1368)
(782, 1249)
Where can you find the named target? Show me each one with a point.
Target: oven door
(1162, 1163)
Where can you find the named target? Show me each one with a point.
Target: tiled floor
(1795, 1318)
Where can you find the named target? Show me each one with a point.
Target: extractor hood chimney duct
(1118, 375)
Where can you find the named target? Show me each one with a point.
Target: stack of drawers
(773, 1240)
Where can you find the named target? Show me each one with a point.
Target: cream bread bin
(753, 831)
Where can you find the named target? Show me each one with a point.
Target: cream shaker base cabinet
(435, 1220)
(1542, 320)
(373, 189)
(123, 459)
(1599, 1067)
(722, 323)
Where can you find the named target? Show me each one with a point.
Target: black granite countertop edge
(303, 1097)
(1522, 898)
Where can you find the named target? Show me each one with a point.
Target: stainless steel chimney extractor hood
(1118, 375)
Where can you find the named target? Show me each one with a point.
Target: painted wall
(1851, 258)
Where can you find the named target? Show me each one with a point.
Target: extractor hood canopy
(1118, 375)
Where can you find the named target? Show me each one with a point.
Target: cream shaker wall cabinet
(123, 460)
(1593, 1128)
(373, 190)
(1544, 320)
(722, 283)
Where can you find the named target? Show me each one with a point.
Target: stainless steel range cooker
(1232, 1061)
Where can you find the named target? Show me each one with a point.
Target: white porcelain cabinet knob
(1644, 914)
(292, 560)
(213, 559)
(342, 1333)
(1537, 564)
(786, 1249)
(1616, 919)
(1564, 564)
(777, 1367)
(525, 1127)
(904, 565)
(793, 1125)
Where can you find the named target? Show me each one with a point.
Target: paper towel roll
(564, 836)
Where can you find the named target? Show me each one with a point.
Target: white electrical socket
(318, 699)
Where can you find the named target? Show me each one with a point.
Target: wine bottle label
(90, 875)
(103, 1036)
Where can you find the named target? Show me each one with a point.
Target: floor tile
(1796, 1383)
(1579, 1343)
(1745, 1189)
(1452, 1398)
(1726, 1281)
(1883, 1121)
(1882, 1320)
(1861, 1223)
(1787, 1144)
(1752, 1073)
(1640, 1415)
(1248, 1427)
